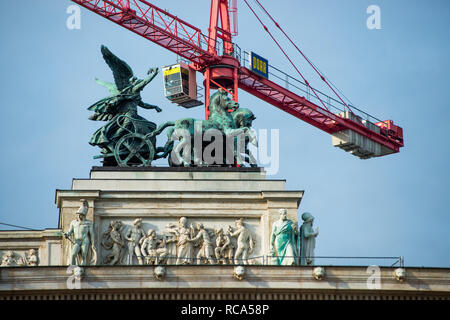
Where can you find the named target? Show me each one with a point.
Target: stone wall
(212, 282)
(16, 247)
(215, 197)
(35, 264)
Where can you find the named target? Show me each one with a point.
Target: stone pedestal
(216, 197)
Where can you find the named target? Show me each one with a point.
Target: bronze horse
(221, 123)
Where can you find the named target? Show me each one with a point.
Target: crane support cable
(285, 54)
(12, 225)
(304, 56)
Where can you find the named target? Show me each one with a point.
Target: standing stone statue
(307, 240)
(283, 240)
(245, 242)
(135, 236)
(206, 251)
(185, 248)
(81, 235)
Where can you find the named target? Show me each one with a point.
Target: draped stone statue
(206, 252)
(307, 240)
(185, 248)
(283, 240)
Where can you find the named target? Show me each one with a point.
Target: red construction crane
(224, 66)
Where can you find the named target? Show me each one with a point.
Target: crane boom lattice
(156, 25)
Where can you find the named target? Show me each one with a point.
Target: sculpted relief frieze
(184, 242)
(10, 258)
(187, 241)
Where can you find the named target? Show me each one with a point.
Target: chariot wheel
(134, 150)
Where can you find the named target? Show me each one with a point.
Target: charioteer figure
(120, 108)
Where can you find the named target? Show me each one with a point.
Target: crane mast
(219, 60)
(224, 73)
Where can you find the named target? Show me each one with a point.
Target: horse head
(243, 118)
(220, 101)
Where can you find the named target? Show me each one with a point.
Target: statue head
(159, 272)
(318, 273)
(200, 226)
(283, 214)
(150, 232)
(243, 117)
(239, 223)
(307, 217)
(137, 222)
(221, 100)
(78, 271)
(84, 207)
(116, 224)
(182, 222)
(239, 272)
(400, 274)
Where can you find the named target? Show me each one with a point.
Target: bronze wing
(120, 69)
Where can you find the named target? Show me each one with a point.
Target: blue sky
(389, 206)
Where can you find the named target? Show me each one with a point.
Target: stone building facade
(212, 201)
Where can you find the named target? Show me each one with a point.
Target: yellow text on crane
(259, 65)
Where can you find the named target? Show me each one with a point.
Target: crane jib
(344, 127)
(156, 25)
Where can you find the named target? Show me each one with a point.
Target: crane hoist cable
(285, 54)
(315, 68)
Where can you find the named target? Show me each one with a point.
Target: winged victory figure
(120, 108)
